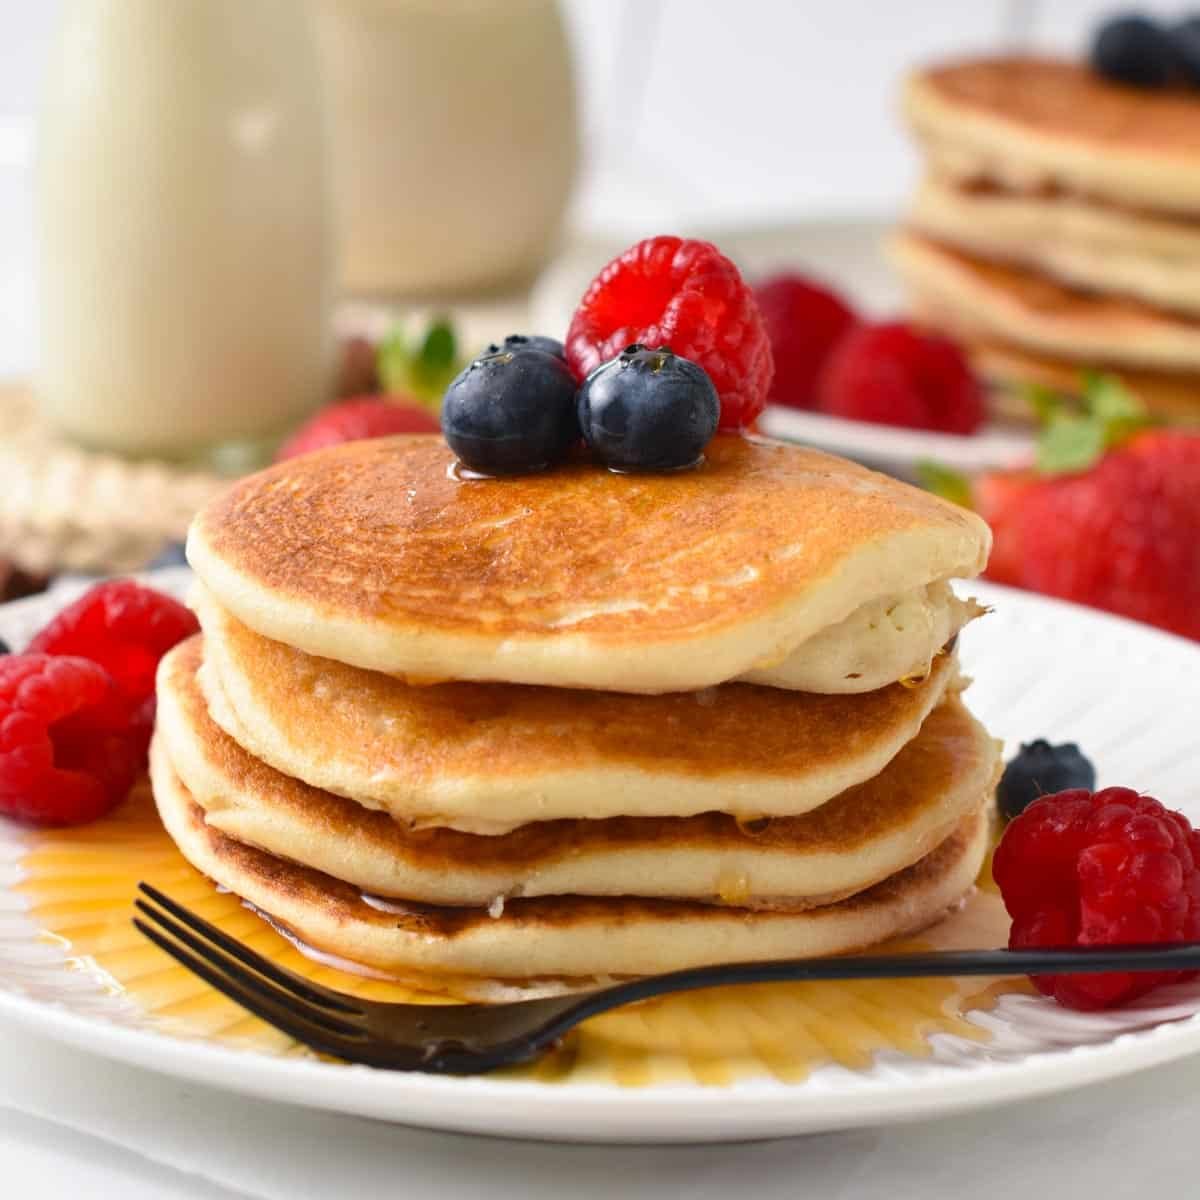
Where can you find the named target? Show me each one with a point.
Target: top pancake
(380, 554)
(1031, 122)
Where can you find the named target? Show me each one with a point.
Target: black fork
(465, 1039)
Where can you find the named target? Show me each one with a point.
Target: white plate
(898, 451)
(1127, 693)
(847, 255)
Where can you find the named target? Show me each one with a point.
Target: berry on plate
(1040, 769)
(804, 321)
(67, 751)
(1108, 515)
(510, 411)
(1123, 535)
(648, 410)
(354, 420)
(125, 628)
(670, 291)
(1093, 869)
(894, 374)
(1134, 49)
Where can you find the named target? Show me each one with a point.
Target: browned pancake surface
(378, 726)
(389, 532)
(1066, 99)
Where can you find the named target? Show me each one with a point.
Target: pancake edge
(763, 875)
(979, 143)
(635, 937)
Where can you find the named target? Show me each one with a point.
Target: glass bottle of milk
(186, 237)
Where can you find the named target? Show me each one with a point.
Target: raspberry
(1123, 536)
(68, 752)
(1105, 868)
(804, 321)
(125, 628)
(354, 420)
(893, 375)
(685, 295)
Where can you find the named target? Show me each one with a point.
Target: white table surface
(73, 1125)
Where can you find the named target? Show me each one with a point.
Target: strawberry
(353, 420)
(1109, 515)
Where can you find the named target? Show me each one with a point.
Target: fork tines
(323, 1019)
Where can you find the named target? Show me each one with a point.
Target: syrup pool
(79, 885)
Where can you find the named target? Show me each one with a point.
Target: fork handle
(1180, 956)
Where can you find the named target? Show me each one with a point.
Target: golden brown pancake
(485, 758)
(976, 298)
(1094, 247)
(857, 839)
(383, 555)
(576, 937)
(1028, 123)
(1173, 396)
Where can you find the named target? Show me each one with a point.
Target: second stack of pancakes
(527, 733)
(1056, 229)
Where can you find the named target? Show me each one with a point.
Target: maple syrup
(80, 884)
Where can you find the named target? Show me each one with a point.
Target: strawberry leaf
(1069, 444)
(439, 350)
(1075, 441)
(945, 482)
(391, 361)
(424, 369)
(1045, 402)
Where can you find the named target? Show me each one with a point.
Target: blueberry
(4, 647)
(511, 411)
(648, 410)
(1040, 769)
(1185, 41)
(1133, 49)
(519, 341)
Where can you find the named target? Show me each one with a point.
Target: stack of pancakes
(479, 734)
(1058, 226)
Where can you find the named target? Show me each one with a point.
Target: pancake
(575, 937)
(975, 298)
(485, 758)
(1028, 123)
(866, 834)
(381, 554)
(1172, 396)
(1089, 246)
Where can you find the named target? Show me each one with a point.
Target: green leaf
(391, 361)
(439, 350)
(945, 482)
(1074, 441)
(1118, 410)
(1070, 444)
(1045, 402)
(422, 371)
(1107, 398)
